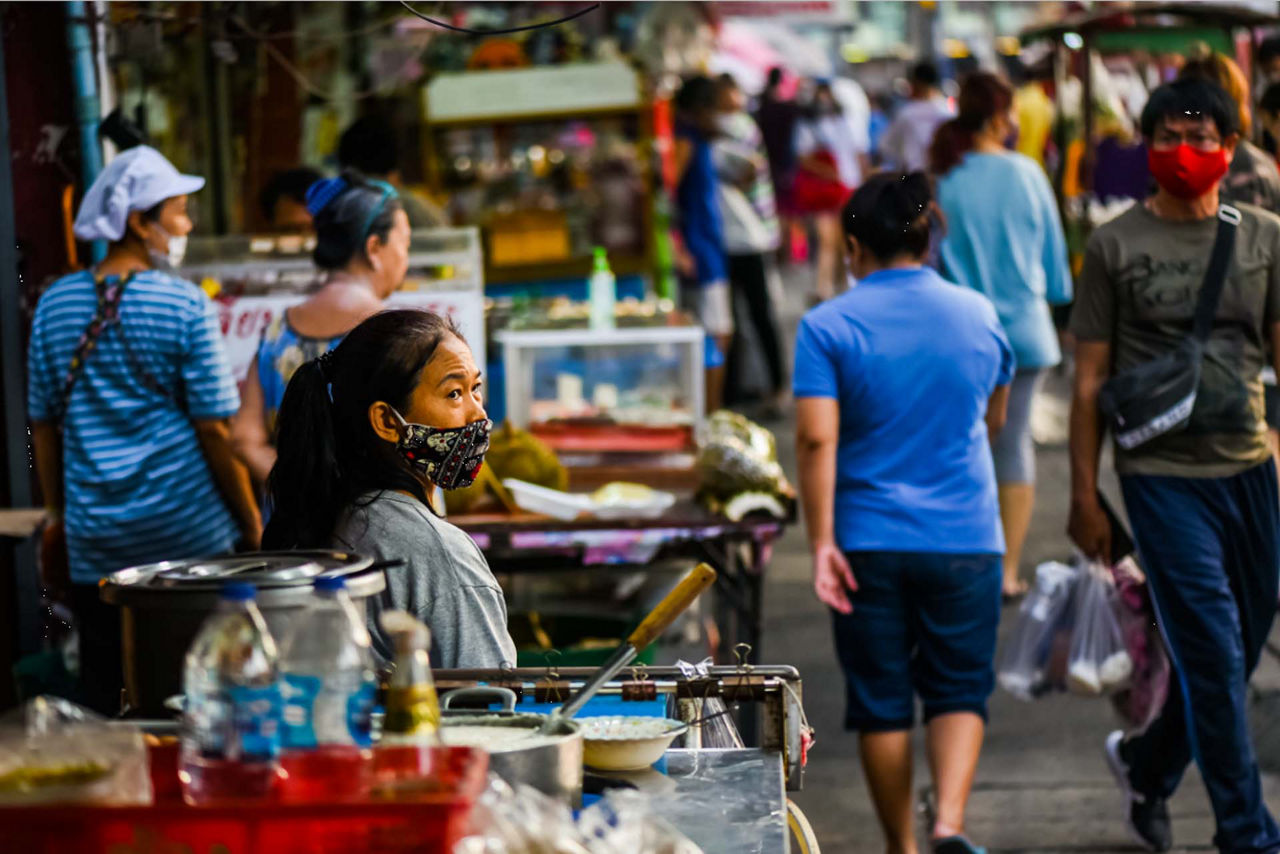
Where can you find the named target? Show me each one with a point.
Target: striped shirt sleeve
(41, 388)
(206, 371)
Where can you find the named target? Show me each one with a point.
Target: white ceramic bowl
(627, 743)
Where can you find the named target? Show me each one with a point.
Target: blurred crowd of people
(939, 254)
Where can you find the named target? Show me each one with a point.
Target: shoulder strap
(1215, 276)
(107, 313)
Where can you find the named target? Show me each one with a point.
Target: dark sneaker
(1147, 818)
(955, 845)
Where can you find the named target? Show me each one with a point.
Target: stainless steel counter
(726, 801)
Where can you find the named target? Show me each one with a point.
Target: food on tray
(744, 504)
(740, 457)
(620, 492)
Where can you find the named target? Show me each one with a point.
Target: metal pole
(15, 407)
(85, 80)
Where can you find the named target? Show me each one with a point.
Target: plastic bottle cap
(238, 591)
(330, 584)
(601, 263)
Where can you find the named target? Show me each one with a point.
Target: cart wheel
(801, 831)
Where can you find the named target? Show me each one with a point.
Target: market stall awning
(1151, 16)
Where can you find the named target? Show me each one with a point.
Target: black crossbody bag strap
(106, 314)
(1215, 277)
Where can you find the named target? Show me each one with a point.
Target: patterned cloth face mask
(450, 456)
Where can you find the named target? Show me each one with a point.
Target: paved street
(1042, 785)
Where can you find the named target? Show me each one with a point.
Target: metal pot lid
(262, 569)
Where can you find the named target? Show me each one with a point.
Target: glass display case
(635, 390)
(254, 279)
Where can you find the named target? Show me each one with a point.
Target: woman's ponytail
(328, 456)
(983, 96)
(305, 486)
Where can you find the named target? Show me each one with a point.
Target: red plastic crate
(427, 824)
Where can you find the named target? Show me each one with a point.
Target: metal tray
(262, 569)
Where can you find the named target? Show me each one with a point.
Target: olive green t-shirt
(1138, 289)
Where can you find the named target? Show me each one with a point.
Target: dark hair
(1269, 49)
(811, 109)
(983, 96)
(1193, 95)
(774, 78)
(726, 82)
(889, 215)
(291, 183)
(345, 223)
(327, 453)
(1206, 64)
(1270, 100)
(696, 93)
(368, 146)
(925, 74)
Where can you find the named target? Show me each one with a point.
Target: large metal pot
(553, 766)
(163, 605)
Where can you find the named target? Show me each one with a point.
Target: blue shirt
(136, 484)
(911, 359)
(700, 223)
(1004, 239)
(282, 351)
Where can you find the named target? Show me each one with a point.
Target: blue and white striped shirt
(136, 483)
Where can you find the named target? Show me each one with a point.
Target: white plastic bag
(55, 752)
(1098, 663)
(1024, 666)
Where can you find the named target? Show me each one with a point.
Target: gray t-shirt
(445, 581)
(1138, 289)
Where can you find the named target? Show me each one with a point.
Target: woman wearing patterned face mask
(365, 433)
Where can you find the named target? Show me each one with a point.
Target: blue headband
(322, 192)
(388, 192)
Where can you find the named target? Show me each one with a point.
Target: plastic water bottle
(329, 690)
(602, 292)
(231, 724)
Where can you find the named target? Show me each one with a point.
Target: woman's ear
(137, 224)
(383, 422)
(855, 251)
(372, 248)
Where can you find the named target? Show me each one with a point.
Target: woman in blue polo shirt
(129, 392)
(898, 384)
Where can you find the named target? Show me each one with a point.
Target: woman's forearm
(258, 457)
(231, 477)
(817, 465)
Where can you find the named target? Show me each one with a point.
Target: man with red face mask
(1202, 499)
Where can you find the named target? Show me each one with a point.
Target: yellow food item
(620, 492)
(73, 774)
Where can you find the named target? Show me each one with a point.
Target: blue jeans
(922, 624)
(1211, 550)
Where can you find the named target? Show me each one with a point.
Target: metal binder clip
(552, 689)
(639, 688)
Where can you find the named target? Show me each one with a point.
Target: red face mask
(1187, 172)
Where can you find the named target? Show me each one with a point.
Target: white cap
(136, 180)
